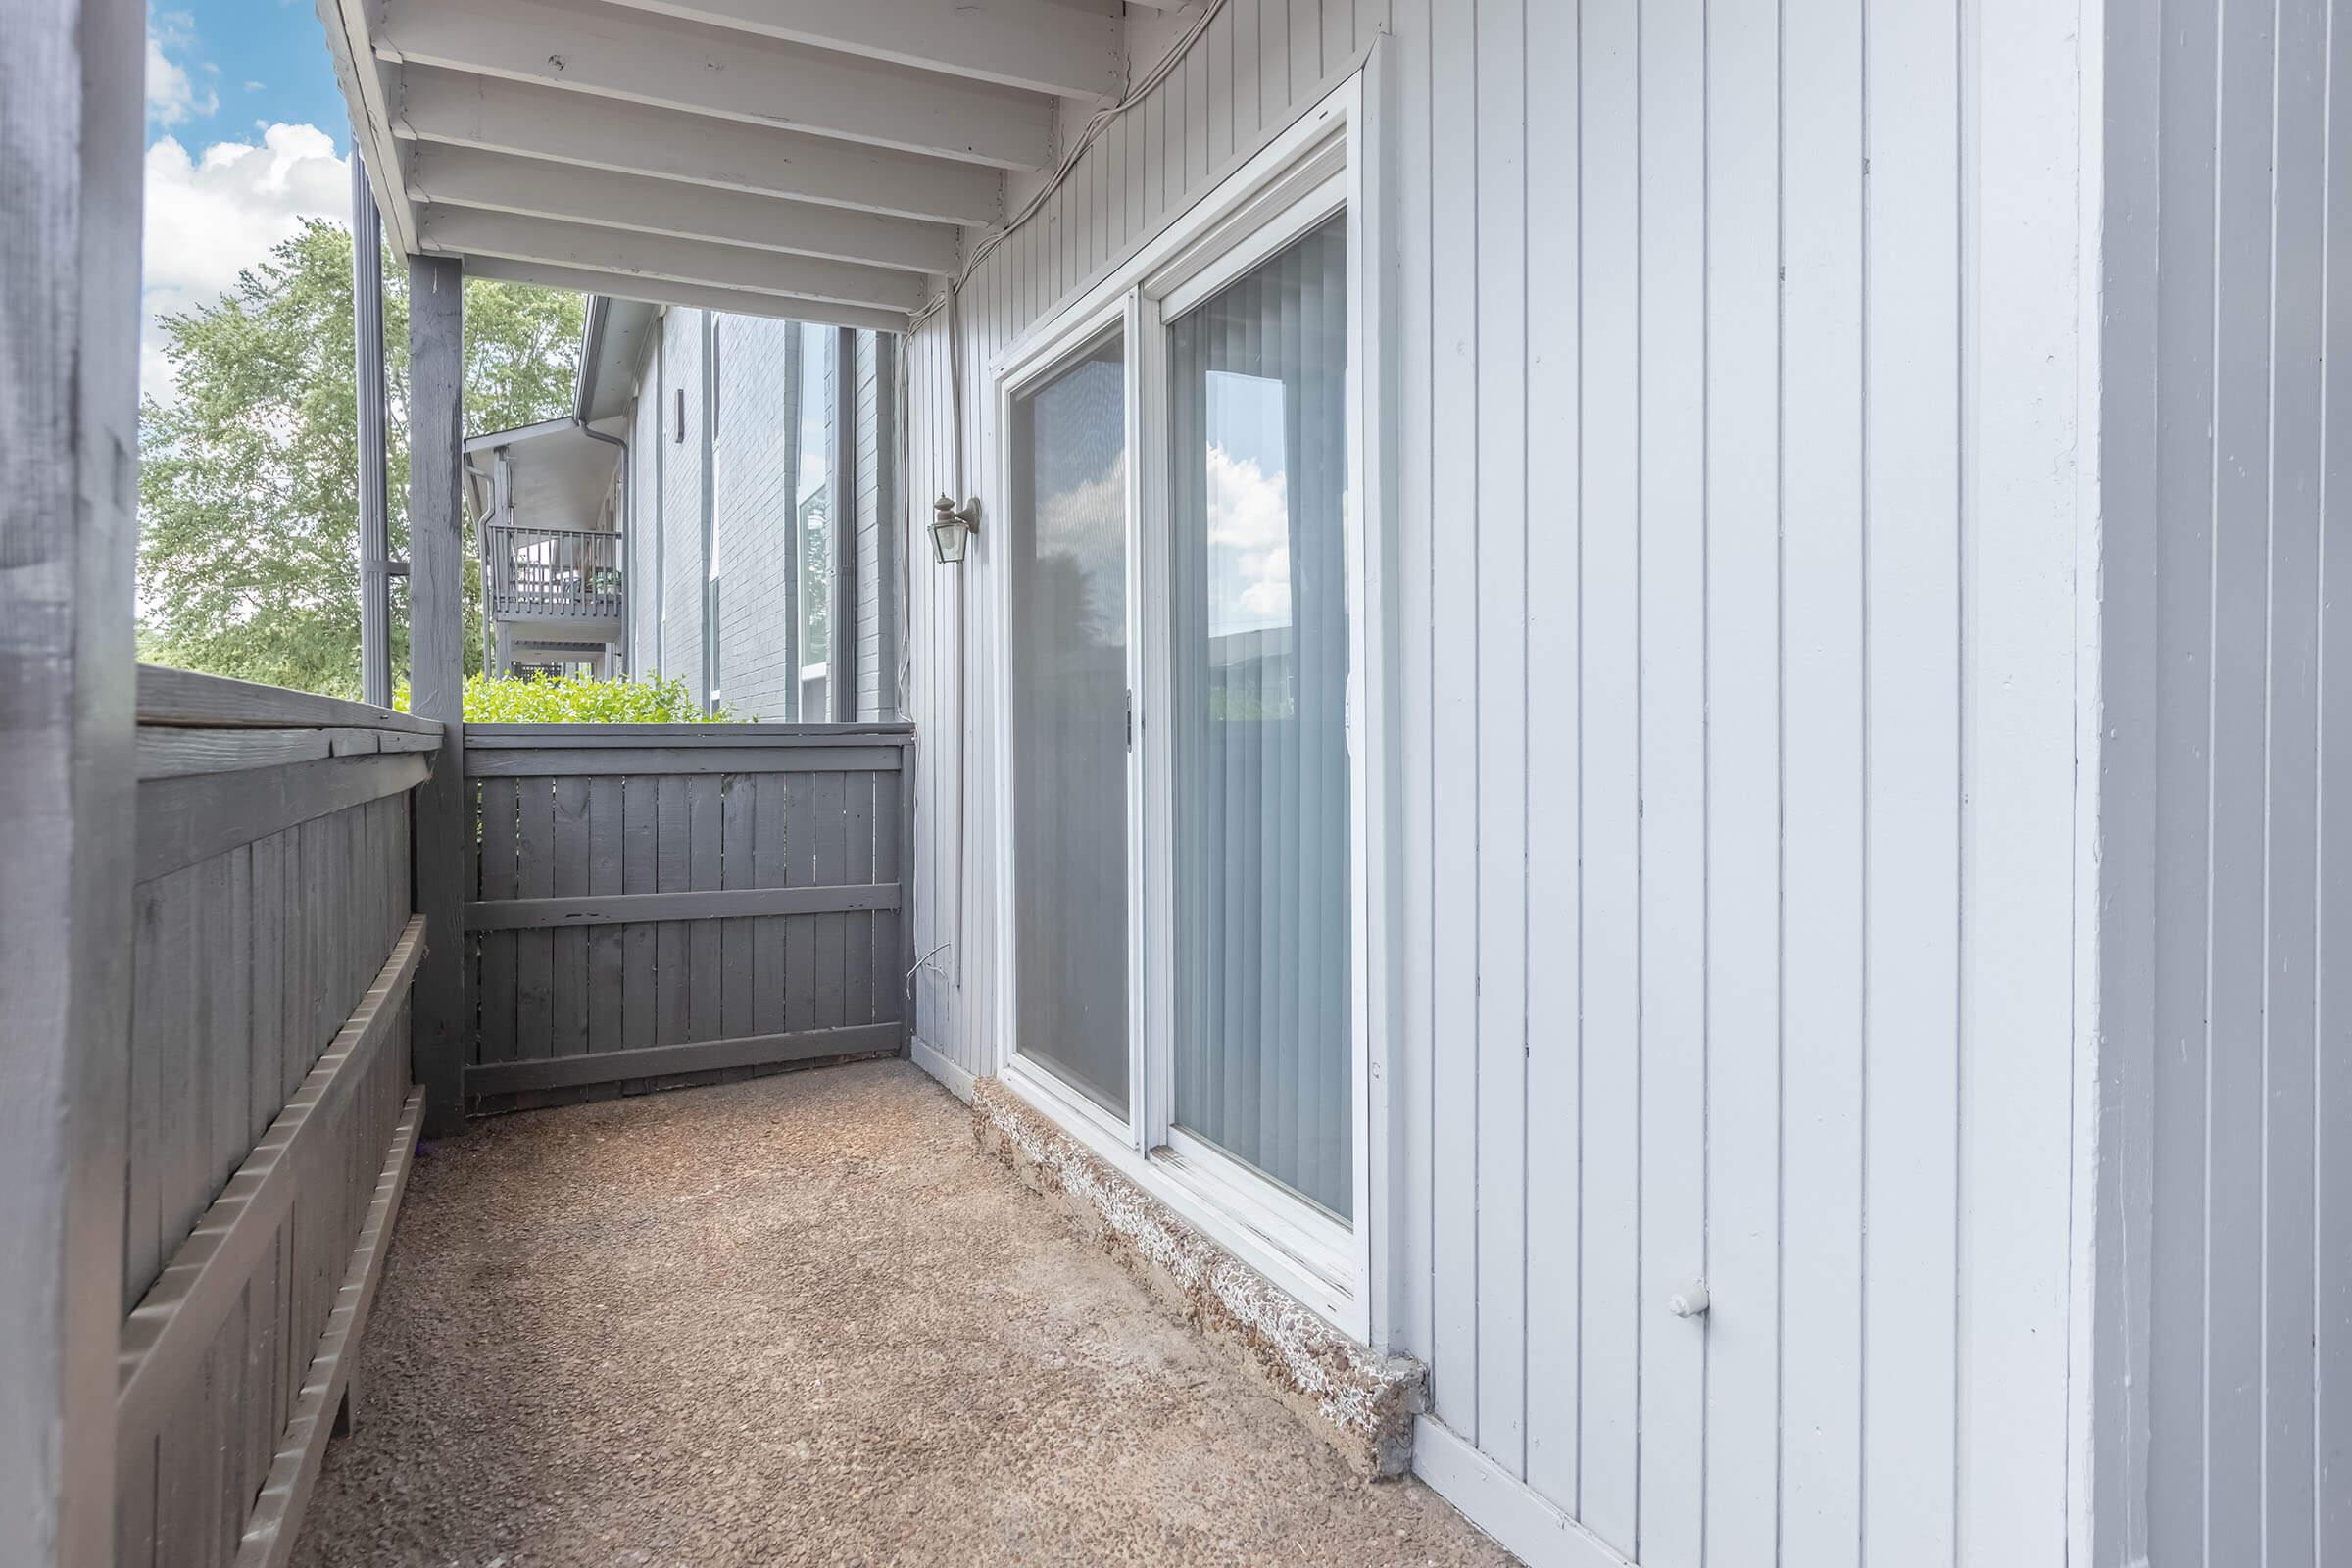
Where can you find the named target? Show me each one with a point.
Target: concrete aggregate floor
(800, 1320)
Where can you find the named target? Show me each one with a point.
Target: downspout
(622, 524)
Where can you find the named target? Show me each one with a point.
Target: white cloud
(210, 216)
(1249, 537)
(172, 95)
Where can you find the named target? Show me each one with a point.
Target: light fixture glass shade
(950, 531)
(948, 536)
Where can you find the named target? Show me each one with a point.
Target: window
(1257, 453)
(1067, 537)
(1185, 630)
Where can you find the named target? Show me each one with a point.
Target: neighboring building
(547, 518)
(739, 431)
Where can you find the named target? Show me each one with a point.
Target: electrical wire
(951, 301)
(1096, 124)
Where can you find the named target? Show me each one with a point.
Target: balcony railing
(552, 574)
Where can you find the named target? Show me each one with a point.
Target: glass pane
(1067, 538)
(1257, 411)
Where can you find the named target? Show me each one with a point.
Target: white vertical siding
(1737, 532)
(2224, 1309)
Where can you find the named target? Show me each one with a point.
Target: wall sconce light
(952, 528)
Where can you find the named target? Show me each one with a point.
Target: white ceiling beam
(1067, 47)
(693, 296)
(368, 86)
(461, 232)
(452, 108)
(611, 53)
(461, 176)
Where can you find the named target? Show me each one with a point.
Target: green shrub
(579, 699)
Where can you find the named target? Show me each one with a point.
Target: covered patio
(802, 1320)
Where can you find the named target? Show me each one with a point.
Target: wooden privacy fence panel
(271, 1114)
(656, 901)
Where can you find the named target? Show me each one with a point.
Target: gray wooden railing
(656, 903)
(552, 573)
(270, 1118)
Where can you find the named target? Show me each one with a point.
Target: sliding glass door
(1258, 588)
(1066, 627)
(1191, 825)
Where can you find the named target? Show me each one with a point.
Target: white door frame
(1322, 162)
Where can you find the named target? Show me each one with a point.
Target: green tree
(249, 479)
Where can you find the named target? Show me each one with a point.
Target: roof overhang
(612, 344)
(559, 474)
(812, 159)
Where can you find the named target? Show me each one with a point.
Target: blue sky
(264, 61)
(246, 138)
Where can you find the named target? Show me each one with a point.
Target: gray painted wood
(372, 448)
(672, 873)
(882, 497)
(638, 942)
(841, 536)
(727, 904)
(712, 905)
(166, 752)
(858, 928)
(768, 977)
(534, 947)
(436, 665)
(700, 1056)
(272, 1048)
(736, 871)
(188, 819)
(182, 696)
(269, 1533)
(801, 832)
(500, 809)
(568, 972)
(212, 1271)
(706, 992)
(627, 737)
(830, 858)
(607, 824)
(707, 762)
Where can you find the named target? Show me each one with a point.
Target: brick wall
(754, 505)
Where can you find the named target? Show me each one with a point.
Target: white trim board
(938, 1064)
(1308, 171)
(1502, 1505)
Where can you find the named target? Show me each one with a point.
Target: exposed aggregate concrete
(1361, 1401)
(801, 1320)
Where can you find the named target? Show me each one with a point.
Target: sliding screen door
(1066, 590)
(1258, 606)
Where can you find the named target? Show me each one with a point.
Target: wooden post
(71, 116)
(368, 352)
(438, 673)
(889, 521)
(841, 535)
